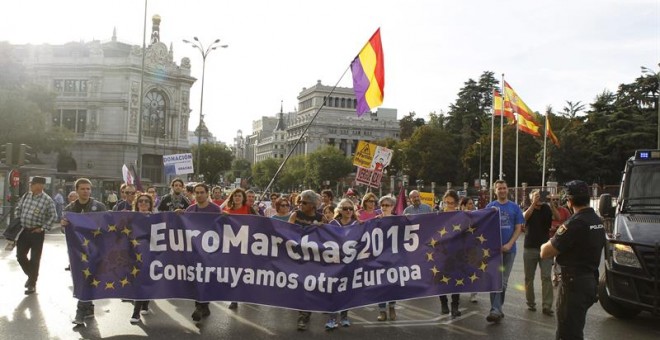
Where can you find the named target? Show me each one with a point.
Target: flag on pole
(517, 103)
(497, 106)
(368, 70)
(127, 175)
(549, 133)
(400, 201)
(526, 122)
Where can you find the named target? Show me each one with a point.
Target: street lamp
(205, 52)
(646, 70)
(479, 165)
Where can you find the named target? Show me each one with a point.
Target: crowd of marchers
(563, 240)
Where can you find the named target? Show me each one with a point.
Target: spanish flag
(526, 122)
(368, 70)
(549, 133)
(497, 107)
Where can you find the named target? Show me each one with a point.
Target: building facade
(97, 85)
(336, 125)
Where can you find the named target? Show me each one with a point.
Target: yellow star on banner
(126, 231)
(483, 266)
(124, 281)
(86, 272)
(97, 232)
(83, 257)
(135, 271)
(109, 285)
(486, 252)
(481, 238)
(459, 282)
(85, 242)
(442, 232)
(434, 270)
(112, 227)
(135, 243)
(473, 277)
(429, 257)
(471, 230)
(457, 227)
(433, 243)
(95, 283)
(445, 279)
(138, 257)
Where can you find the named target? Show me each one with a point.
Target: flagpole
(501, 177)
(272, 180)
(545, 143)
(492, 141)
(515, 194)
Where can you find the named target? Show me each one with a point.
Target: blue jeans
(497, 299)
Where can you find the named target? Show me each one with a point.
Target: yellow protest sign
(427, 198)
(364, 154)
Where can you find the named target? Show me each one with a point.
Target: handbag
(13, 230)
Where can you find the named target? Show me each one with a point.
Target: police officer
(577, 244)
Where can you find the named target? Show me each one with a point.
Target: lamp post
(479, 165)
(205, 52)
(646, 70)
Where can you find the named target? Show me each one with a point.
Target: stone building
(97, 85)
(336, 124)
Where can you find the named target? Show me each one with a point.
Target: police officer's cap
(577, 188)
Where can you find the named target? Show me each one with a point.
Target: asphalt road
(47, 314)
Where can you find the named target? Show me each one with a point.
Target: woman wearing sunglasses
(386, 204)
(368, 210)
(282, 209)
(143, 203)
(345, 216)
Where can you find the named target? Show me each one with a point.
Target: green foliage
(263, 171)
(327, 164)
(25, 108)
(240, 168)
(408, 124)
(215, 160)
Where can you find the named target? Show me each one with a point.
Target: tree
(263, 172)
(327, 164)
(25, 107)
(293, 176)
(215, 160)
(240, 168)
(408, 124)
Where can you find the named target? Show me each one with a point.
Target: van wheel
(612, 307)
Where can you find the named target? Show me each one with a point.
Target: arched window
(155, 109)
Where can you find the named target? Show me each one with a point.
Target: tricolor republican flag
(368, 70)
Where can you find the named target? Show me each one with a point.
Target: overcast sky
(550, 51)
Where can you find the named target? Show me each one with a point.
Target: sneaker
(233, 305)
(392, 313)
(331, 324)
(197, 314)
(445, 309)
(473, 297)
(345, 322)
(492, 317)
(531, 308)
(454, 311)
(27, 283)
(303, 320)
(382, 316)
(145, 309)
(548, 312)
(82, 314)
(135, 318)
(30, 290)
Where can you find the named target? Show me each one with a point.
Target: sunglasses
(385, 205)
(129, 192)
(347, 208)
(143, 201)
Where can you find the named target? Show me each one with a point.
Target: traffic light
(7, 154)
(25, 155)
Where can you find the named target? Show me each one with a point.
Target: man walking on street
(37, 213)
(578, 245)
(84, 204)
(539, 218)
(511, 223)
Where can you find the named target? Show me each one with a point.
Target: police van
(630, 283)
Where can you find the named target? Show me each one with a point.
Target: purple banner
(210, 257)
